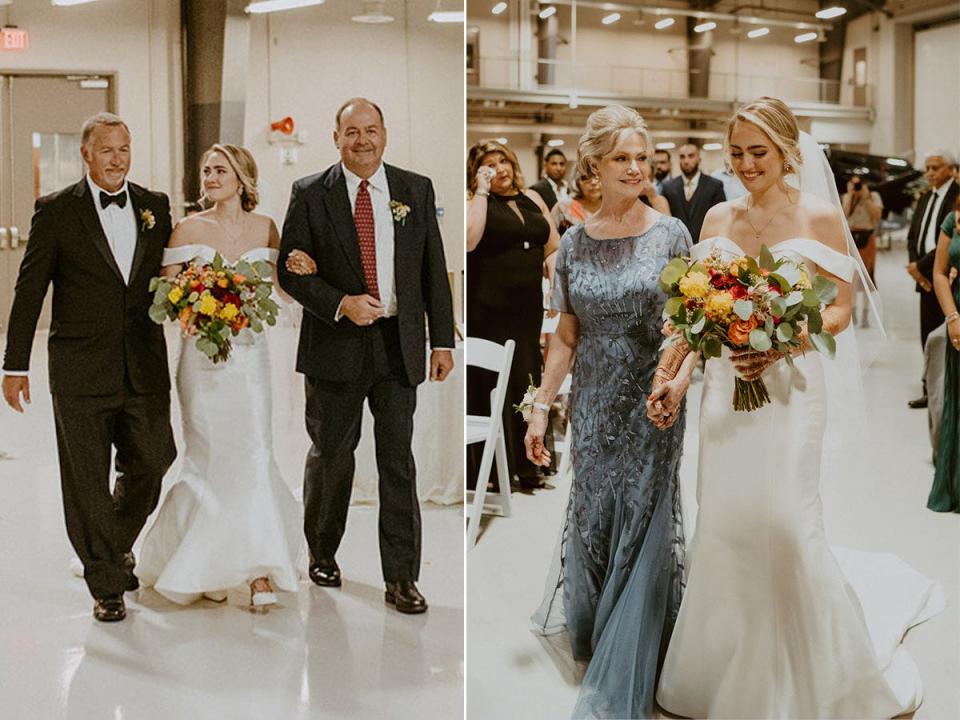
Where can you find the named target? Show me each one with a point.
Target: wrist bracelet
(481, 193)
(541, 406)
(952, 317)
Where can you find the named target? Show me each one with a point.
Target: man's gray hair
(100, 119)
(948, 157)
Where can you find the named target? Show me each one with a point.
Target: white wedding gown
(774, 623)
(230, 518)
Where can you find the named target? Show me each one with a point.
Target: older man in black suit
(366, 234)
(931, 211)
(99, 243)
(692, 193)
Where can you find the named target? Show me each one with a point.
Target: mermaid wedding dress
(231, 517)
(774, 622)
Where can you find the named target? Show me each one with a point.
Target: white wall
(139, 41)
(936, 88)
(304, 63)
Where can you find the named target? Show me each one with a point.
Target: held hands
(918, 277)
(13, 387)
(361, 309)
(485, 175)
(441, 364)
(750, 364)
(663, 404)
(533, 441)
(953, 332)
(299, 263)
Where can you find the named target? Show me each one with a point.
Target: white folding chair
(563, 447)
(488, 429)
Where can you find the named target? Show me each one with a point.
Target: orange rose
(739, 331)
(239, 279)
(185, 316)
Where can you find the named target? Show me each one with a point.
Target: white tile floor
(323, 653)
(514, 675)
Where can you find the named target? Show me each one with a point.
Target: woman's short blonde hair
(777, 122)
(479, 151)
(603, 129)
(243, 165)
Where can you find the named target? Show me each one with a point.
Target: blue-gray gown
(621, 560)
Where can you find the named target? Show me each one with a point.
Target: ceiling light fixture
(64, 3)
(703, 27)
(267, 6)
(611, 19)
(830, 12)
(665, 146)
(503, 140)
(556, 142)
(373, 13)
(806, 37)
(547, 12)
(499, 8)
(759, 32)
(446, 16)
(713, 146)
(665, 23)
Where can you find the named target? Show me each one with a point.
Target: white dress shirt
(927, 243)
(560, 189)
(383, 233)
(690, 185)
(119, 225)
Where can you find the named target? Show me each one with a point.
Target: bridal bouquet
(215, 301)
(746, 303)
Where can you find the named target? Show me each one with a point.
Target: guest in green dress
(945, 493)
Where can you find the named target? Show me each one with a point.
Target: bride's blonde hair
(603, 128)
(777, 122)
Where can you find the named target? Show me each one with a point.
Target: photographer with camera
(863, 209)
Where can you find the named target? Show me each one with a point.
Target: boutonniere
(400, 211)
(147, 220)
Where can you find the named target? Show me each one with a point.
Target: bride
(775, 624)
(230, 520)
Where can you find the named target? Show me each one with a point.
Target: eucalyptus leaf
(207, 347)
(256, 325)
(794, 298)
(784, 332)
(673, 306)
(768, 326)
(269, 305)
(711, 346)
(262, 267)
(157, 313)
(218, 261)
(814, 322)
(752, 266)
(789, 359)
(789, 272)
(672, 272)
(760, 341)
(778, 307)
(698, 325)
(825, 288)
(159, 296)
(811, 299)
(262, 292)
(699, 267)
(244, 268)
(153, 284)
(766, 258)
(780, 281)
(743, 309)
(824, 343)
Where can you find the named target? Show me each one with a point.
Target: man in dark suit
(692, 193)
(99, 243)
(368, 235)
(553, 187)
(931, 210)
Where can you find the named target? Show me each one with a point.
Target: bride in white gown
(774, 623)
(230, 520)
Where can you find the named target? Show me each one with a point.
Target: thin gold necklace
(756, 232)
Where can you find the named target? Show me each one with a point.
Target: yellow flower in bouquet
(804, 282)
(229, 312)
(208, 304)
(694, 285)
(719, 305)
(175, 294)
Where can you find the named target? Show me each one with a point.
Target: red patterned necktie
(366, 237)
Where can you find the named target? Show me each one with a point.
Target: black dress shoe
(404, 595)
(919, 403)
(325, 572)
(110, 609)
(129, 563)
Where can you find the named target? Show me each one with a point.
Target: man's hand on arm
(13, 387)
(360, 309)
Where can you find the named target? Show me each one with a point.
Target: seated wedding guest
(661, 169)
(584, 202)
(863, 209)
(553, 187)
(732, 187)
(945, 493)
(930, 212)
(691, 194)
(509, 236)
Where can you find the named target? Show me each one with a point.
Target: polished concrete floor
(515, 675)
(322, 653)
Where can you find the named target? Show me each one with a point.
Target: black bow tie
(106, 199)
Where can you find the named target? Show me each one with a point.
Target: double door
(40, 121)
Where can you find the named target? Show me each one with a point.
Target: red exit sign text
(14, 39)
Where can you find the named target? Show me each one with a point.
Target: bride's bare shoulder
(719, 218)
(824, 221)
(191, 229)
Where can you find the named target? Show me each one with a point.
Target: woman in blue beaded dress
(621, 569)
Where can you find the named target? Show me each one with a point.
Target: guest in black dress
(509, 237)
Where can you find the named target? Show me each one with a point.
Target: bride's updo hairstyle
(603, 128)
(243, 164)
(777, 122)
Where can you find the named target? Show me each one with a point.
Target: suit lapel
(400, 191)
(337, 202)
(91, 224)
(137, 200)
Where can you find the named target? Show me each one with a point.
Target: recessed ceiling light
(499, 8)
(759, 32)
(611, 19)
(703, 27)
(448, 16)
(665, 146)
(547, 12)
(665, 23)
(806, 37)
(502, 140)
(66, 2)
(713, 146)
(830, 12)
(266, 6)
(556, 142)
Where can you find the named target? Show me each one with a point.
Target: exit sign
(14, 39)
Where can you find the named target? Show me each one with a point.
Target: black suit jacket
(925, 262)
(709, 192)
(544, 189)
(320, 223)
(99, 330)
